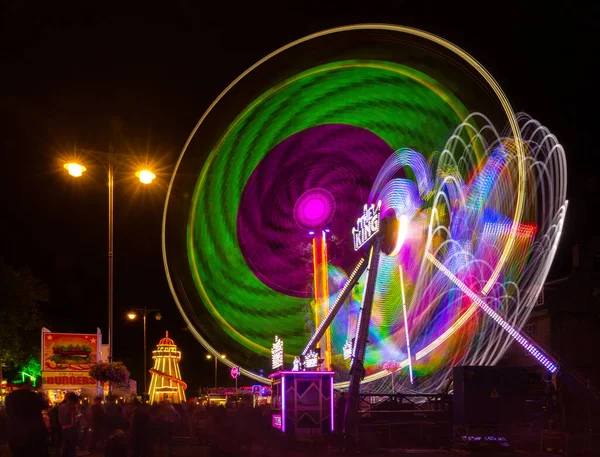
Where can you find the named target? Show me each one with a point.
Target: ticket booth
(302, 402)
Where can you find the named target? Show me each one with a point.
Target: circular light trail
(304, 155)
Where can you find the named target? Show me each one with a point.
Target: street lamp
(75, 169)
(132, 315)
(208, 357)
(145, 176)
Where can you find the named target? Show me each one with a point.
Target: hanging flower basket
(114, 372)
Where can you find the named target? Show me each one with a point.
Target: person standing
(97, 424)
(67, 417)
(113, 417)
(27, 434)
(168, 417)
(140, 430)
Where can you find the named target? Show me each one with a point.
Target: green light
(403, 106)
(30, 376)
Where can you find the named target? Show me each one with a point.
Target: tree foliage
(20, 297)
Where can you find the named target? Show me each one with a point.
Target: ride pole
(357, 371)
(110, 256)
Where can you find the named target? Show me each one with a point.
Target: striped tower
(166, 383)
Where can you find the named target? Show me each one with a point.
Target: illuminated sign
(69, 351)
(347, 350)
(297, 364)
(277, 354)
(367, 226)
(61, 380)
(311, 359)
(277, 421)
(235, 372)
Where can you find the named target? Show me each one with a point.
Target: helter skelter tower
(166, 383)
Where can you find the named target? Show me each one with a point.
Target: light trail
(527, 345)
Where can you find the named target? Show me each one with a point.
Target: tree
(20, 298)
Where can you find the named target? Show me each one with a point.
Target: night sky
(71, 72)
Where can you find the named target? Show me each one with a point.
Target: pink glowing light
(314, 209)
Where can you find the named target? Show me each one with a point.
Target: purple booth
(303, 402)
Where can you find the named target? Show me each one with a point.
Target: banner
(67, 380)
(69, 352)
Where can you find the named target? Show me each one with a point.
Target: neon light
(532, 349)
(367, 226)
(277, 353)
(283, 403)
(406, 324)
(324, 306)
(331, 405)
(300, 373)
(235, 372)
(166, 377)
(276, 421)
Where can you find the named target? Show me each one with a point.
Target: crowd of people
(119, 429)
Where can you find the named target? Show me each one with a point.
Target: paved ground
(187, 450)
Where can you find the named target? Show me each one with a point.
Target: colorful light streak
(444, 195)
(529, 347)
(341, 297)
(406, 325)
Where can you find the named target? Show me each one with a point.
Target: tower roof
(166, 340)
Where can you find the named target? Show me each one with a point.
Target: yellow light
(131, 315)
(145, 176)
(223, 356)
(74, 169)
(208, 356)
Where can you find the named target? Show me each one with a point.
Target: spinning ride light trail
(317, 143)
(527, 345)
(405, 323)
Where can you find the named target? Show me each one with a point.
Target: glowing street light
(75, 169)
(209, 356)
(145, 176)
(145, 312)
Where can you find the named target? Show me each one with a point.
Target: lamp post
(132, 315)
(76, 170)
(208, 357)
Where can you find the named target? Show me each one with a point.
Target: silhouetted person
(167, 418)
(113, 418)
(27, 433)
(55, 433)
(67, 417)
(140, 430)
(97, 423)
(338, 416)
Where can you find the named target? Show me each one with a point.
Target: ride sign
(235, 372)
(277, 354)
(311, 360)
(367, 226)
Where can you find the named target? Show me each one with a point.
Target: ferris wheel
(261, 228)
